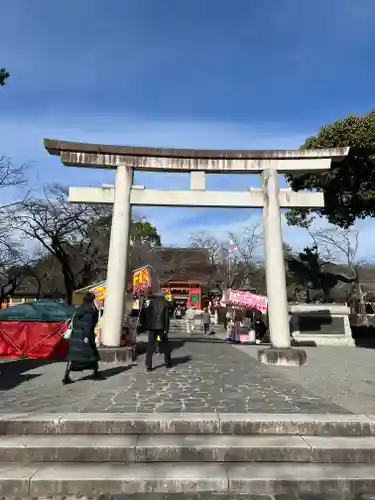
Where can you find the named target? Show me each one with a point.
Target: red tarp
(33, 339)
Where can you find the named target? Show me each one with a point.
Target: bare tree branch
(338, 245)
(73, 234)
(233, 268)
(201, 239)
(10, 174)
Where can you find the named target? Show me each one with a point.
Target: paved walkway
(208, 375)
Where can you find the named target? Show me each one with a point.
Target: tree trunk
(69, 289)
(69, 282)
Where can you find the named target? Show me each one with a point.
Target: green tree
(4, 75)
(349, 186)
(142, 232)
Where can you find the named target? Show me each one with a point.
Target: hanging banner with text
(100, 293)
(245, 299)
(141, 279)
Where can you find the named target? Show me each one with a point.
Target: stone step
(193, 423)
(183, 448)
(95, 479)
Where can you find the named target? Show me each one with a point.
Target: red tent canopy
(34, 330)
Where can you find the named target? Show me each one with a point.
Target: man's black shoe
(67, 381)
(169, 365)
(149, 369)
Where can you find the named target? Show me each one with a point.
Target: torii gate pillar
(278, 316)
(267, 163)
(118, 258)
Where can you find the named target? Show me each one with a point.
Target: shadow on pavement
(13, 372)
(173, 343)
(107, 373)
(364, 336)
(366, 342)
(178, 360)
(205, 340)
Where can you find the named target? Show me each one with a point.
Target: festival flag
(233, 244)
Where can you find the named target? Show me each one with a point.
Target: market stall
(243, 310)
(100, 290)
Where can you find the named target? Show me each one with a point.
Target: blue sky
(197, 73)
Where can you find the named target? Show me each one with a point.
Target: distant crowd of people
(236, 321)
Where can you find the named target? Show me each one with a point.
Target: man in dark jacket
(83, 353)
(157, 324)
(260, 328)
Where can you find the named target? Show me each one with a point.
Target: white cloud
(23, 140)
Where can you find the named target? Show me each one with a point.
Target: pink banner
(247, 299)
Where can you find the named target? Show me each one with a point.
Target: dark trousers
(260, 332)
(158, 348)
(206, 327)
(71, 367)
(151, 344)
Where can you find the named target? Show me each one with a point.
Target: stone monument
(320, 322)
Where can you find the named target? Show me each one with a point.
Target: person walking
(228, 317)
(157, 324)
(190, 320)
(83, 353)
(206, 320)
(260, 328)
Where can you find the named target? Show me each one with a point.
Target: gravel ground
(343, 375)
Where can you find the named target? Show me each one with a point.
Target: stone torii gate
(270, 198)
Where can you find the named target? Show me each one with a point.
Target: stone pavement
(228, 496)
(208, 375)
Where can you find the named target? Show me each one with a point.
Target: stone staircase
(178, 328)
(91, 455)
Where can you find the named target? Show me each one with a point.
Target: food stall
(99, 290)
(144, 281)
(240, 307)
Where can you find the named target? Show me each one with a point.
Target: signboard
(141, 279)
(99, 330)
(246, 299)
(100, 293)
(312, 324)
(194, 299)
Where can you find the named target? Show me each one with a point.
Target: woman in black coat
(83, 353)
